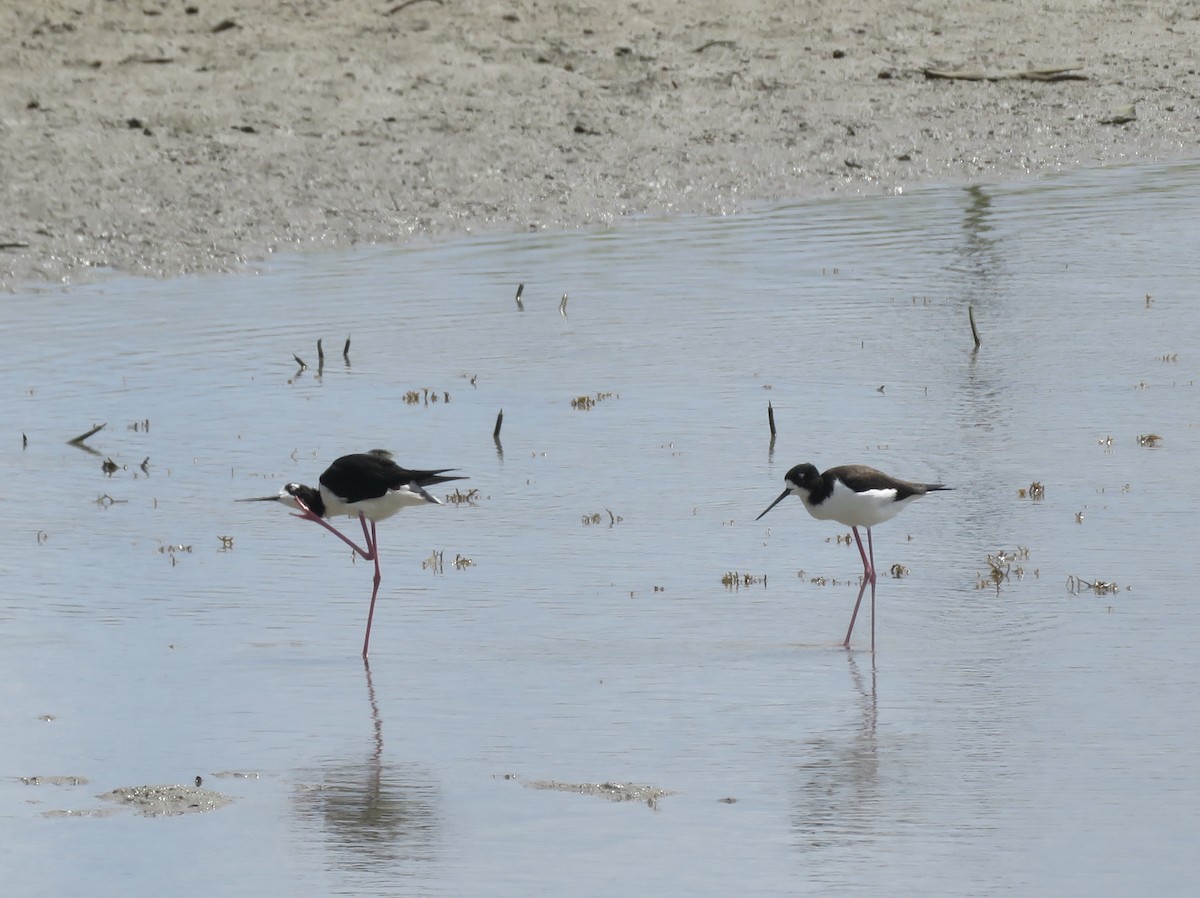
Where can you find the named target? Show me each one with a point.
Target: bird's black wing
(861, 478)
(404, 476)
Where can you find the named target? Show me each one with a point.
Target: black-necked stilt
(369, 485)
(856, 496)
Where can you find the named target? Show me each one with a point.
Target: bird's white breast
(378, 508)
(856, 509)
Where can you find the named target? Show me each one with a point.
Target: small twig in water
(499, 421)
(520, 290)
(974, 330)
(771, 418)
(1076, 585)
(83, 436)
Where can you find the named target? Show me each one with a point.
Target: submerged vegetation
(734, 580)
(588, 401)
(1003, 567)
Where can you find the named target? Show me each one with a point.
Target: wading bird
(366, 485)
(856, 496)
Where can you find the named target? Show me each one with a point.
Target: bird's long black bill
(424, 493)
(274, 498)
(782, 496)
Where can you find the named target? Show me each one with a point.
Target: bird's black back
(369, 475)
(861, 478)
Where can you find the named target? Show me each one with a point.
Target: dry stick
(496, 435)
(520, 290)
(346, 351)
(974, 330)
(717, 43)
(771, 418)
(83, 436)
(320, 352)
(1065, 74)
(406, 4)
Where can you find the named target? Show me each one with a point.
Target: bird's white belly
(858, 509)
(375, 509)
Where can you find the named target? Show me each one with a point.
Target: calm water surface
(1020, 740)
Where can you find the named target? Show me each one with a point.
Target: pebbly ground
(160, 137)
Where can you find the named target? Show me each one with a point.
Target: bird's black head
(801, 480)
(292, 495)
(310, 496)
(803, 477)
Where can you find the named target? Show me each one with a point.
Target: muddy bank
(166, 137)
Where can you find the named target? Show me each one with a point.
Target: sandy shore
(157, 137)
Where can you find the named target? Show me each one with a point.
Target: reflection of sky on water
(1026, 740)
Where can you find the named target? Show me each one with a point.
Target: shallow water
(1025, 740)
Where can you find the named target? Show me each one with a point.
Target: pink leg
(368, 553)
(374, 544)
(853, 617)
(871, 550)
(868, 561)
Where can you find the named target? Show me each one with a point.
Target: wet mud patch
(54, 780)
(64, 781)
(167, 801)
(648, 795)
(149, 801)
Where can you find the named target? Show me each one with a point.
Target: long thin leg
(868, 560)
(861, 589)
(307, 514)
(871, 550)
(375, 552)
(374, 543)
(867, 575)
(370, 553)
(370, 616)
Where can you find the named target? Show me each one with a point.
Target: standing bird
(856, 496)
(369, 485)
